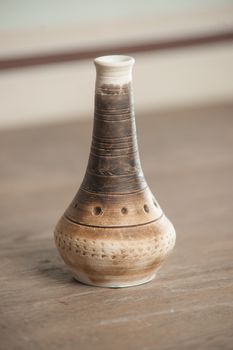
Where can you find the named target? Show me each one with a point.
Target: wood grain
(187, 156)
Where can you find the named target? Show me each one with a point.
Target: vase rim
(114, 61)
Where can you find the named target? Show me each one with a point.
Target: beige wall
(162, 80)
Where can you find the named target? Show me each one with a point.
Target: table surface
(187, 160)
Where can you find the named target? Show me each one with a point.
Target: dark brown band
(82, 54)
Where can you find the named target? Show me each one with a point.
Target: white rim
(114, 61)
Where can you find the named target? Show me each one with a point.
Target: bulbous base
(114, 256)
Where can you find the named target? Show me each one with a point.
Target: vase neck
(114, 164)
(114, 109)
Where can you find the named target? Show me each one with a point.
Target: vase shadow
(48, 264)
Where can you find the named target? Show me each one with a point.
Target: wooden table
(187, 159)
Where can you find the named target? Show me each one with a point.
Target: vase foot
(115, 284)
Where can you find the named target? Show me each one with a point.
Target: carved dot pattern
(161, 245)
(97, 211)
(124, 210)
(146, 208)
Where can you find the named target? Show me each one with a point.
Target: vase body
(114, 233)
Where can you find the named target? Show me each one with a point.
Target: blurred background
(183, 90)
(183, 51)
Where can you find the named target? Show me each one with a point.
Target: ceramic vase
(114, 233)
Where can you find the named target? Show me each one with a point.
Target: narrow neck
(114, 109)
(114, 164)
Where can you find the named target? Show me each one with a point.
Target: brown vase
(114, 233)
